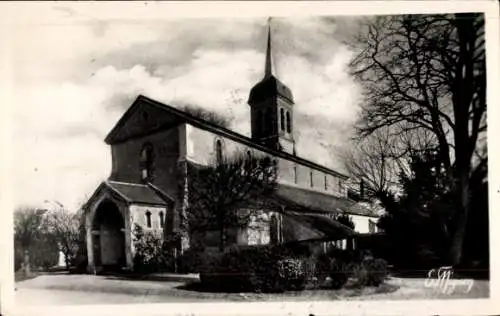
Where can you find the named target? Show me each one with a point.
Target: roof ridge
(159, 192)
(219, 128)
(126, 183)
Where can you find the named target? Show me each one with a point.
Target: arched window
(288, 122)
(162, 220)
(274, 230)
(218, 150)
(282, 119)
(148, 219)
(146, 161)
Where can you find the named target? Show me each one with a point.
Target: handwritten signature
(441, 280)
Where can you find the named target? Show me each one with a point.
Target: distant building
(151, 145)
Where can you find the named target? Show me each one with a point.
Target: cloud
(68, 99)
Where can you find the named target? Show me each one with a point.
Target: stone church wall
(126, 160)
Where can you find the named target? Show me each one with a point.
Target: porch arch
(108, 237)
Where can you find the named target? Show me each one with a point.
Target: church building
(151, 145)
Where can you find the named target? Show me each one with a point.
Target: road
(40, 297)
(86, 289)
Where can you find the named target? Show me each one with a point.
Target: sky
(73, 81)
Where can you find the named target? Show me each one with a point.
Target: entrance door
(109, 242)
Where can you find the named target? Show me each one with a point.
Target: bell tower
(271, 108)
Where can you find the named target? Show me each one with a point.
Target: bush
(371, 272)
(292, 274)
(255, 269)
(339, 272)
(150, 254)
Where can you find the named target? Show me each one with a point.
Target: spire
(269, 63)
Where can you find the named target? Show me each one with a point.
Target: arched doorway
(108, 237)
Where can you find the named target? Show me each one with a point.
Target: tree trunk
(222, 245)
(464, 144)
(27, 269)
(67, 260)
(461, 224)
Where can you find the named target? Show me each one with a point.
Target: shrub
(339, 272)
(292, 273)
(255, 269)
(371, 272)
(191, 261)
(150, 254)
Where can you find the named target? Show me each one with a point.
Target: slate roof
(137, 193)
(311, 201)
(268, 88)
(313, 227)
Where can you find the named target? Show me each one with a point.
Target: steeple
(269, 61)
(271, 104)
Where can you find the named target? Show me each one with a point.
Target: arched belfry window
(282, 119)
(146, 162)
(218, 150)
(288, 123)
(148, 219)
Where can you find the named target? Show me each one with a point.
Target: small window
(372, 226)
(288, 123)
(282, 119)
(218, 150)
(146, 162)
(162, 220)
(326, 182)
(311, 178)
(148, 219)
(295, 174)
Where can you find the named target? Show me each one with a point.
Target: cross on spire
(268, 72)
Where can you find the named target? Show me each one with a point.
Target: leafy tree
(427, 73)
(420, 222)
(65, 229)
(28, 229)
(226, 194)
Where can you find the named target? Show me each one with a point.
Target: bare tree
(372, 161)
(427, 72)
(28, 227)
(226, 194)
(65, 229)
